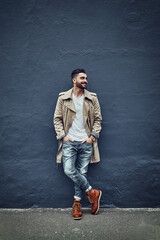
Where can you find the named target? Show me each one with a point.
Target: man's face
(80, 80)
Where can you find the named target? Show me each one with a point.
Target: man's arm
(97, 118)
(97, 121)
(58, 119)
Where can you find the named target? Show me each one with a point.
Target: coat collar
(68, 94)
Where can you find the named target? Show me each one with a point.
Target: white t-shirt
(77, 131)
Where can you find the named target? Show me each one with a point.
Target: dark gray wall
(117, 42)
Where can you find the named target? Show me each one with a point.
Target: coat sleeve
(97, 118)
(58, 119)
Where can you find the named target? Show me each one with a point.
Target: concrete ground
(52, 224)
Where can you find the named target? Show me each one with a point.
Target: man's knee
(83, 173)
(69, 172)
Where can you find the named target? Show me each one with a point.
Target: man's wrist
(94, 134)
(62, 136)
(92, 138)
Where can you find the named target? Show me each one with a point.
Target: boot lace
(77, 206)
(90, 198)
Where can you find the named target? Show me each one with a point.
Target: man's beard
(79, 85)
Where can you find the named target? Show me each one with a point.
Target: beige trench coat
(65, 112)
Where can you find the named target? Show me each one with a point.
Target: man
(77, 122)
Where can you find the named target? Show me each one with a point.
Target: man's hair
(77, 71)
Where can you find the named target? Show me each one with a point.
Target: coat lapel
(87, 95)
(85, 110)
(69, 103)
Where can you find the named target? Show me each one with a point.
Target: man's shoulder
(65, 95)
(90, 95)
(61, 93)
(93, 94)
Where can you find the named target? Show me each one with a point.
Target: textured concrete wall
(117, 42)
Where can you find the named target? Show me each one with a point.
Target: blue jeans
(76, 157)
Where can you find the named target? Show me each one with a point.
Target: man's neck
(78, 92)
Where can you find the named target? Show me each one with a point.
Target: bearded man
(77, 122)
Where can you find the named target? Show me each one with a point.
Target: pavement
(55, 224)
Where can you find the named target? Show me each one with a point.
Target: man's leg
(70, 150)
(83, 159)
(84, 156)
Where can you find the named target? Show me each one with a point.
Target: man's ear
(73, 80)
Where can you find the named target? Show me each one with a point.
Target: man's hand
(89, 140)
(65, 139)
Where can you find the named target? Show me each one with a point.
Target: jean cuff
(77, 198)
(89, 188)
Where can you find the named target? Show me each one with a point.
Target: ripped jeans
(76, 157)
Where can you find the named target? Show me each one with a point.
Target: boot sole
(78, 218)
(98, 203)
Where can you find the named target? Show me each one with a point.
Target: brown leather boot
(94, 196)
(77, 214)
